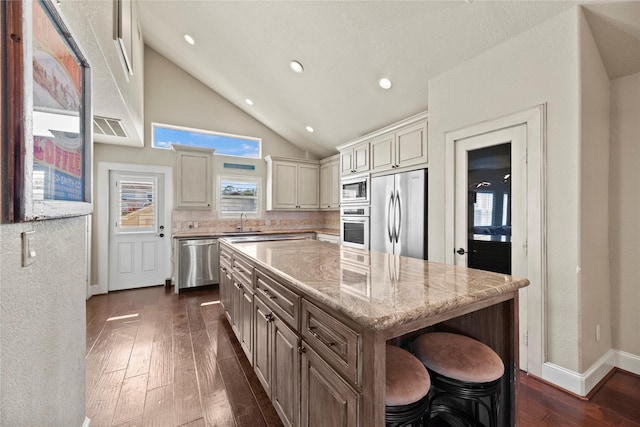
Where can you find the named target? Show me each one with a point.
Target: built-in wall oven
(355, 189)
(354, 226)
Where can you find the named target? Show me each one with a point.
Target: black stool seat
(461, 368)
(407, 389)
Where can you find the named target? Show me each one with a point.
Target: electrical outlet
(597, 332)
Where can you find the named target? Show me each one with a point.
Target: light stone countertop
(376, 290)
(195, 233)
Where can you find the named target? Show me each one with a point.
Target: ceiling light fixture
(309, 129)
(296, 66)
(248, 101)
(189, 39)
(385, 83)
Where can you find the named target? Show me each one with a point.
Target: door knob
(161, 234)
(461, 251)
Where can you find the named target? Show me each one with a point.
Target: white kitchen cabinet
(330, 183)
(193, 178)
(292, 184)
(402, 148)
(330, 238)
(354, 159)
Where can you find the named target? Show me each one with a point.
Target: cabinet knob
(301, 349)
(269, 317)
(240, 286)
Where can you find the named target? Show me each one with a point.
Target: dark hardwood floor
(177, 363)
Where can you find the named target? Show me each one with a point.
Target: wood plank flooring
(177, 363)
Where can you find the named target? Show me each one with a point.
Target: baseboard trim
(87, 422)
(628, 362)
(96, 290)
(582, 384)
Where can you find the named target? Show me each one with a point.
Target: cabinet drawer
(337, 343)
(242, 271)
(284, 302)
(225, 259)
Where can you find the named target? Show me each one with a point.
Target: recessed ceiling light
(309, 129)
(248, 101)
(296, 66)
(189, 39)
(385, 83)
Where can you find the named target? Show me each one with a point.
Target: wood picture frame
(47, 147)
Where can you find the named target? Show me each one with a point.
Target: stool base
(446, 391)
(415, 414)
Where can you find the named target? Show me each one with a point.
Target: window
(483, 209)
(137, 205)
(230, 145)
(239, 194)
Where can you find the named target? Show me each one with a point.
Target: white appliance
(354, 226)
(355, 189)
(399, 214)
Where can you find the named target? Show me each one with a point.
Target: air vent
(107, 126)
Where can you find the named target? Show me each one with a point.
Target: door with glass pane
(137, 235)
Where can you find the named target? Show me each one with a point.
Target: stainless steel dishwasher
(199, 263)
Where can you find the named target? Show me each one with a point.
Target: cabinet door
(262, 318)
(411, 145)
(361, 157)
(334, 187)
(308, 186)
(194, 179)
(346, 162)
(226, 292)
(325, 186)
(246, 325)
(382, 153)
(285, 185)
(326, 399)
(285, 369)
(236, 313)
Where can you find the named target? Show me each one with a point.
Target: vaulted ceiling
(243, 49)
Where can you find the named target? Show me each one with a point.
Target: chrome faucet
(242, 214)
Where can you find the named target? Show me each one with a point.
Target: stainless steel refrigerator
(399, 214)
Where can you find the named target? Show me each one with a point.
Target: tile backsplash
(208, 221)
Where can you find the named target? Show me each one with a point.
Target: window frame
(242, 178)
(207, 132)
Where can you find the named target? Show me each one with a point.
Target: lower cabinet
(308, 385)
(326, 399)
(242, 315)
(277, 362)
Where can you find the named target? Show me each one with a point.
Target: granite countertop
(376, 290)
(195, 233)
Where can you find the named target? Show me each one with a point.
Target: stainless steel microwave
(355, 189)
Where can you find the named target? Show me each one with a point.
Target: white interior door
(490, 209)
(139, 243)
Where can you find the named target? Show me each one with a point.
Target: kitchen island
(313, 319)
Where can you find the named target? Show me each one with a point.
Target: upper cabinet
(193, 178)
(292, 184)
(402, 145)
(330, 183)
(354, 159)
(403, 148)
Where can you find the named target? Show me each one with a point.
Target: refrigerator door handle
(390, 210)
(398, 216)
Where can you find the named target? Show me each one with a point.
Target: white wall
(174, 97)
(624, 209)
(594, 282)
(42, 325)
(539, 66)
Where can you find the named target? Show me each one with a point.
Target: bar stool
(461, 368)
(407, 389)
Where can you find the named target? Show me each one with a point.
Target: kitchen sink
(263, 238)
